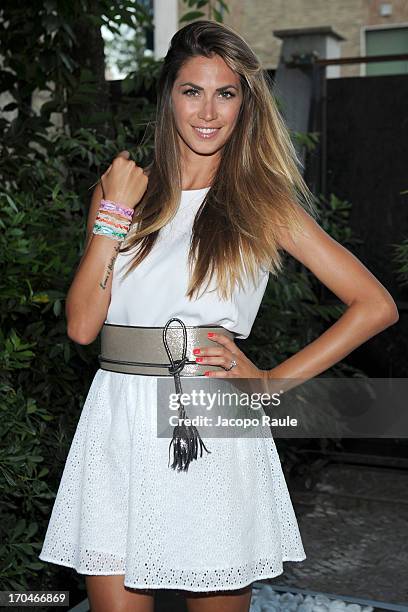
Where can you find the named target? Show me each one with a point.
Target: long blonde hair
(256, 187)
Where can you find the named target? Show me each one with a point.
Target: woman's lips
(206, 133)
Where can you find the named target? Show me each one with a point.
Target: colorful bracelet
(110, 223)
(123, 211)
(114, 218)
(110, 220)
(104, 230)
(109, 228)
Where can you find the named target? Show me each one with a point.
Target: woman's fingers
(221, 353)
(223, 346)
(224, 351)
(125, 154)
(224, 340)
(124, 181)
(107, 171)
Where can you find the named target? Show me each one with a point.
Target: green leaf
(41, 298)
(36, 458)
(57, 308)
(32, 529)
(217, 15)
(35, 565)
(18, 529)
(191, 15)
(10, 201)
(67, 61)
(31, 406)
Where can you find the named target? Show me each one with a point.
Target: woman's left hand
(223, 353)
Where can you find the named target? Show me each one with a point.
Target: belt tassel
(185, 437)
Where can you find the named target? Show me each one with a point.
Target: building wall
(256, 20)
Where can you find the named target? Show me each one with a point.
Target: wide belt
(142, 350)
(162, 351)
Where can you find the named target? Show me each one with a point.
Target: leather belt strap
(141, 350)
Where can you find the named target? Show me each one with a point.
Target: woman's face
(198, 104)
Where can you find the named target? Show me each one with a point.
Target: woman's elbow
(81, 334)
(387, 312)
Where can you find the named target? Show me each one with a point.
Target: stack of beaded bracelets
(109, 225)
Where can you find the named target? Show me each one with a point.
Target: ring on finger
(232, 365)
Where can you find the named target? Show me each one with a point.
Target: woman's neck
(195, 177)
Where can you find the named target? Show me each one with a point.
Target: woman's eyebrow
(201, 88)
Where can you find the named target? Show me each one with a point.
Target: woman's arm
(371, 309)
(89, 295)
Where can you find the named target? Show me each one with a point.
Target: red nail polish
(210, 334)
(199, 358)
(196, 351)
(206, 373)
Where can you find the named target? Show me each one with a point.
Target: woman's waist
(156, 350)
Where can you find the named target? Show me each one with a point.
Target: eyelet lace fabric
(120, 509)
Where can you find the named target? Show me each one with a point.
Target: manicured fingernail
(210, 334)
(196, 351)
(199, 358)
(206, 373)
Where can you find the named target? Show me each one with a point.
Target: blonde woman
(192, 240)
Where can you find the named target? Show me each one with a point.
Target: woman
(224, 175)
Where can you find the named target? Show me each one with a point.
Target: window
(387, 41)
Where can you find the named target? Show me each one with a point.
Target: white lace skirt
(120, 509)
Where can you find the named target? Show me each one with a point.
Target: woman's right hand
(124, 182)
(89, 295)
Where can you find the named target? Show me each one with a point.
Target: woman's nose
(208, 110)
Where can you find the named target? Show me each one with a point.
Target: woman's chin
(205, 147)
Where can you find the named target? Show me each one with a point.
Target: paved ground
(354, 525)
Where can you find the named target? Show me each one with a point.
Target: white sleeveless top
(155, 291)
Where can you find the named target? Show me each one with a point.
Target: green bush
(44, 376)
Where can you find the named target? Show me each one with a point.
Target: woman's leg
(108, 594)
(220, 601)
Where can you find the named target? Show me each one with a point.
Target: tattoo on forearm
(110, 267)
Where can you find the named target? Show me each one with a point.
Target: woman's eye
(194, 91)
